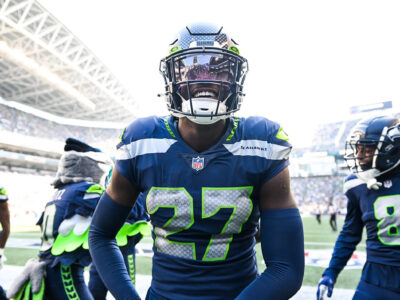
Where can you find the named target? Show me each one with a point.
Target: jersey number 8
(387, 212)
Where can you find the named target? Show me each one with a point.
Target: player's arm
(5, 223)
(347, 240)
(110, 214)
(282, 242)
(345, 245)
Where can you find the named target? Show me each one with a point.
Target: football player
(332, 211)
(64, 227)
(207, 178)
(373, 156)
(5, 230)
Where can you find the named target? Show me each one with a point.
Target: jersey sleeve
(134, 142)
(351, 232)
(124, 157)
(278, 156)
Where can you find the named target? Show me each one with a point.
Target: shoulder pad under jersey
(351, 182)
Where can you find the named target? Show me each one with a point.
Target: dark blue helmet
(382, 136)
(204, 74)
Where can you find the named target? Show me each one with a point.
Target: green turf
(143, 265)
(18, 256)
(316, 237)
(25, 235)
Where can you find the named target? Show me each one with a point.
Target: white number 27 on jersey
(213, 199)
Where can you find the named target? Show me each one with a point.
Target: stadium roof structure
(43, 65)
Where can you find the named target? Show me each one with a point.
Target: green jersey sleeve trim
(122, 134)
(282, 135)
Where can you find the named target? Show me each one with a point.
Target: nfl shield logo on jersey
(198, 163)
(387, 184)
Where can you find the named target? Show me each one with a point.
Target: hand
(34, 271)
(326, 283)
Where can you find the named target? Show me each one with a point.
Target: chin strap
(204, 106)
(369, 177)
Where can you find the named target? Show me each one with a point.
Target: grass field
(316, 237)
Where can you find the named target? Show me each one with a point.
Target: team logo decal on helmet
(373, 147)
(204, 74)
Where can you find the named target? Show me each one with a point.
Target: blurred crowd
(24, 123)
(315, 193)
(332, 136)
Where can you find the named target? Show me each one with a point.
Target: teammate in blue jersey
(373, 156)
(65, 227)
(5, 230)
(136, 224)
(207, 178)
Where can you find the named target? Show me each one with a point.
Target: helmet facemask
(203, 83)
(372, 157)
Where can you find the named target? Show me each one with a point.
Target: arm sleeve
(282, 244)
(108, 218)
(347, 240)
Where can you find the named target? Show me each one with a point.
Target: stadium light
(44, 74)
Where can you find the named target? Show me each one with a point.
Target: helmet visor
(210, 75)
(205, 66)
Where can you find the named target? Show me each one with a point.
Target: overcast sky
(309, 60)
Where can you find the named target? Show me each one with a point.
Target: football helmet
(373, 147)
(204, 74)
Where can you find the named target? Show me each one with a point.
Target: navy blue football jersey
(379, 212)
(69, 200)
(203, 206)
(138, 212)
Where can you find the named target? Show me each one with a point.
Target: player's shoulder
(351, 182)
(144, 128)
(85, 187)
(3, 194)
(261, 128)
